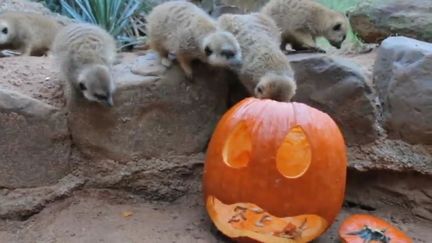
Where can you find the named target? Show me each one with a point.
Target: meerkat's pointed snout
(109, 102)
(236, 62)
(337, 44)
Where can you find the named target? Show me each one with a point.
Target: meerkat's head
(337, 29)
(5, 32)
(96, 84)
(276, 87)
(222, 49)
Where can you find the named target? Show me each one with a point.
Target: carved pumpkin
(359, 228)
(274, 172)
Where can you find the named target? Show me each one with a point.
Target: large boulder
(32, 7)
(23, 5)
(338, 87)
(403, 78)
(156, 112)
(375, 20)
(246, 6)
(34, 142)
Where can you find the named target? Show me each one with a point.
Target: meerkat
(181, 28)
(85, 54)
(302, 21)
(266, 72)
(29, 34)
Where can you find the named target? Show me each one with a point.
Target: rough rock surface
(34, 77)
(23, 5)
(153, 116)
(34, 142)
(338, 87)
(23, 203)
(410, 191)
(402, 76)
(32, 7)
(391, 155)
(246, 6)
(164, 179)
(374, 21)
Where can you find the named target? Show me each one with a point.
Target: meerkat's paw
(319, 50)
(308, 50)
(189, 76)
(9, 53)
(166, 62)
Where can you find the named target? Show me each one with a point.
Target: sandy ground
(110, 216)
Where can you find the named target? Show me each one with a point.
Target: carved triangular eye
(294, 156)
(238, 146)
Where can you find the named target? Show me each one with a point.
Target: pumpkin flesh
(248, 220)
(360, 228)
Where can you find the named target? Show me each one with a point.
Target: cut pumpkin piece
(248, 221)
(359, 228)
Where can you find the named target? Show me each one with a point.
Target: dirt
(115, 216)
(33, 76)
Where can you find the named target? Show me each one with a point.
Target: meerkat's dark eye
(208, 51)
(5, 30)
(337, 27)
(100, 97)
(228, 54)
(82, 87)
(260, 90)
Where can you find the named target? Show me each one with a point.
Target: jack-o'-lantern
(359, 228)
(274, 172)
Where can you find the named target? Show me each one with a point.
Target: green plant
(114, 16)
(121, 18)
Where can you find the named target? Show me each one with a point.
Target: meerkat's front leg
(163, 54)
(165, 60)
(26, 50)
(283, 44)
(185, 64)
(304, 42)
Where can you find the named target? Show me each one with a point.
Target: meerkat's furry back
(85, 54)
(27, 33)
(182, 28)
(265, 72)
(302, 21)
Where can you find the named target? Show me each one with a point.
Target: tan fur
(185, 30)
(85, 54)
(302, 21)
(27, 33)
(265, 72)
